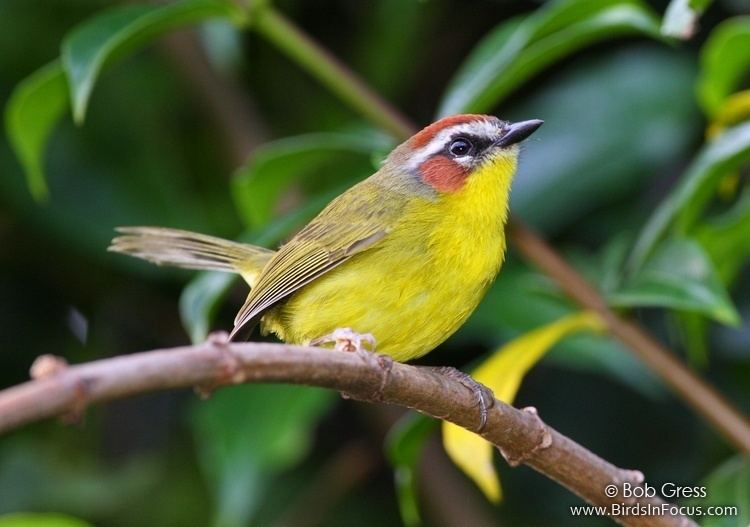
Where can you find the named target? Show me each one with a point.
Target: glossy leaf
(520, 48)
(89, 47)
(200, 300)
(729, 484)
(726, 239)
(681, 18)
(580, 162)
(201, 297)
(734, 110)
(685, 203)
(275, 166)
(246, 434)
(725, 62)
(503, 373)
(33, 109)
(693, 331)
(538, 302)
(41, 520)
(681, 276)
(403, 447)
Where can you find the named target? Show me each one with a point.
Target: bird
(399, 260)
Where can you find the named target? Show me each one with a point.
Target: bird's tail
(190, 250)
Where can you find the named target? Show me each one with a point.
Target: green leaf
(693, 333)
(201, 297)
(729, 484)
(275, 166)
(403, 446)
(247, 434)
(686, 202)
(726, 239)
(41, 520)
(89, 47)
(681, 18)
(681, 276)
(199, 301)
(603, 355)
(518, 49)
(725, 62)
(578, 163)
(537, 302)
(34, 107)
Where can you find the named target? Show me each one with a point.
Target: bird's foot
(484, 396)
(345, 339)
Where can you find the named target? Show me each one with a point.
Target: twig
(326, 68)
(716, 410)
(696, 392)
(232, 110)
(519, 434)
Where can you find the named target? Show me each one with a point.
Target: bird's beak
(517, 132)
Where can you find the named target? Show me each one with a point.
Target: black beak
(517, 132)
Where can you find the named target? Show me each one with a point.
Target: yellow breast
(416, 287)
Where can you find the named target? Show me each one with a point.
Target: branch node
(631, 476)
(544, 441)
(46, 366)
(384, 366)
(230, 369)
(80, 402)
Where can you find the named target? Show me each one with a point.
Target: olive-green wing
(348, 226)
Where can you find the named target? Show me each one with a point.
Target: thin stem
(328, 70)
(697, 393)
(520, 435)
(716, 410)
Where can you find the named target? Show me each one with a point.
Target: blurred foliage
(729, 484)
(639, 177)
(40, 520)
(403, 446)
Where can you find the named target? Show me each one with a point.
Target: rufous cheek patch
(443, 174)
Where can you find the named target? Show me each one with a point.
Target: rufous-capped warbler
(405, 255)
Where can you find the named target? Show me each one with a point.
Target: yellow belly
(414, 289)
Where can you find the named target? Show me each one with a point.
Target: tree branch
(519, 435)
(683, 381)
(698, 394)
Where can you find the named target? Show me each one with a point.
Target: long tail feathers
(190, 250)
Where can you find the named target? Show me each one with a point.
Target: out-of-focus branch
(691, 388)
(232, 111)
(726, 419)
(520, 435)
(327, 68)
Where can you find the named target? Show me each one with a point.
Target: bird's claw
(345, 339)
(484, 396)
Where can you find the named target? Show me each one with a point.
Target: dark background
(622, 123)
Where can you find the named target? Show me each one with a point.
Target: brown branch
(698, 394)
(232, 110)
(520, 435)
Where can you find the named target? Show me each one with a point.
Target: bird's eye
(460, 147)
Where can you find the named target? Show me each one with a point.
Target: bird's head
(445, 155)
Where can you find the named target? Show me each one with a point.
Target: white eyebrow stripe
(480, 128)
